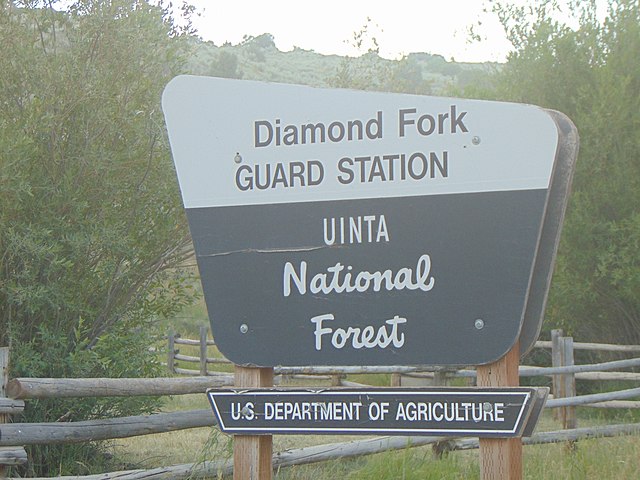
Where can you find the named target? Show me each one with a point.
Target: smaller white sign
(484, 412)
(238, 142)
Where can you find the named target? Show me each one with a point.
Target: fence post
(203, 350)
(440, 378)
(440, 448)
(556, 361)
(569, 419)
(171, 361)
(396, 380)
(4, 371)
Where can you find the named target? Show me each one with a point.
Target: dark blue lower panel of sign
(444, 411)
(434, 280)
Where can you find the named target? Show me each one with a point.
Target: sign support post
(501, 457)
(252, 454)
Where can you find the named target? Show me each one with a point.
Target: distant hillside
(257, 58)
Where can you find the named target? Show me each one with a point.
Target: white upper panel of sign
(238, 142)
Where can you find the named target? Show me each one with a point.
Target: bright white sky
(327, 26)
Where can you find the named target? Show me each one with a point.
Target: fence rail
(23, 388)
(563, 371)
(601, 347)
(20, 434)
(13, 436)
(334, 451)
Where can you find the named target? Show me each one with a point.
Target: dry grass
(173, 448)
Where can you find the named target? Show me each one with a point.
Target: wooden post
(501, 458)
(171, 361)
(440, 378)
(440, 448)
(396, 380)
(203, 350)
(556, 361)
(569, 419)
(4, 371)
(252, 454)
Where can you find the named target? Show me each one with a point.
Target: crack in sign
(266, 250)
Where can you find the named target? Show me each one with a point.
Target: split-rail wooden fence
(564, 401)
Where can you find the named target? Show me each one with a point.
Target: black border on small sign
(533, 399)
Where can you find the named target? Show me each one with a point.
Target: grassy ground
(616, 458)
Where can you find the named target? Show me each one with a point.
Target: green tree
(406, 77)
(225, 65)
(92, 231)
(256, 48)
(591, 72)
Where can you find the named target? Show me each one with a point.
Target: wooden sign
(335, 227)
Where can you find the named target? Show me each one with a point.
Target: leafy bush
(92, 231)
(591, 73)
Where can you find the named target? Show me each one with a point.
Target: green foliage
(92, 231)
(371, 72)
(591, 73)
(225, 65)
(404, 464)
(411, 464)
(257, 58)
